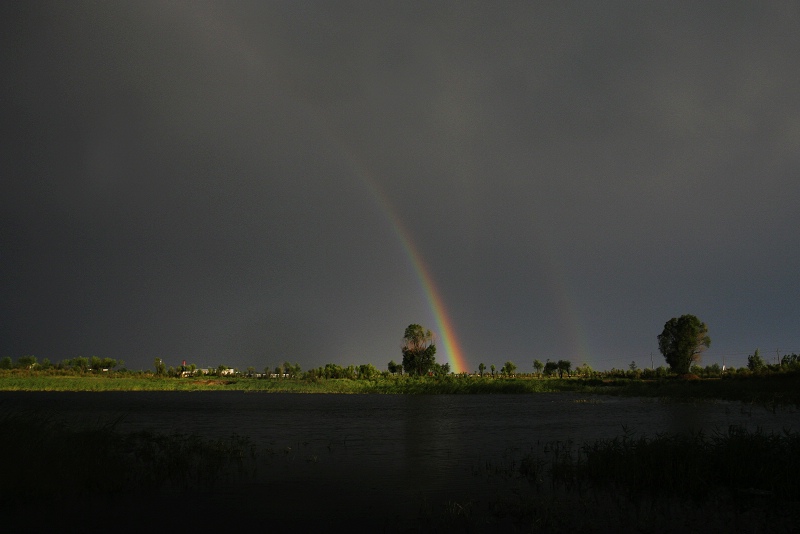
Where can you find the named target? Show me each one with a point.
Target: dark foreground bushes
(97, 479)
(736, 481)
(47, 459)
(57, 476)
(696, 467)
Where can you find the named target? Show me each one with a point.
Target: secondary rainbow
(578, 351)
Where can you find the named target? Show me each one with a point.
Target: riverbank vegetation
(769, 388)
(770, 384)
(732, 481)
(54, 470)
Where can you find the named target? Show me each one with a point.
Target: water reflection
(389, 449)
(421, 432)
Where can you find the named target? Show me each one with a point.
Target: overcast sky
(231, 182)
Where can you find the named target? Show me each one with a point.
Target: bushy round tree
(418, 350)
(682, 341)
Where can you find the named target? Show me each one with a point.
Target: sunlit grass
(769, 390)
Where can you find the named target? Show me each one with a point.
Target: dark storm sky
(214, 181)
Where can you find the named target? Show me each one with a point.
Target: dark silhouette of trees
(755, 362)
(440, 369)
(102, 364)
(682, 341)
(77, 364)
(26, 362)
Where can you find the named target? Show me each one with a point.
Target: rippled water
(390, 450)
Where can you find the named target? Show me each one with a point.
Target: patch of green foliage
(768, 388)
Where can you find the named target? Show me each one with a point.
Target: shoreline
(771, 390)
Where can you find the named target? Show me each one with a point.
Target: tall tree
(564, 366)
(418, 350)
(682, 341)
(538, 366)
(755, 362)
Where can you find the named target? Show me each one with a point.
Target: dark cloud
(217, 182)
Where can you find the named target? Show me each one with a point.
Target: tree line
(79, 363)
(681, 342)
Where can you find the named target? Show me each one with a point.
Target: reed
(723, 481)
(696, 466)
(48, 459)
(732, 481)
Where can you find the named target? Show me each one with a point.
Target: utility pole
(651, 360)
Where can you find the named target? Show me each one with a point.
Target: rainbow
(579, 349)
(224, 30)
(444, 324)
(565, 303)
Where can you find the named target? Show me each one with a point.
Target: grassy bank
(772, 389)
(27, 381)
(777, 389)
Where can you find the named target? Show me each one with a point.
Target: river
(380, 455)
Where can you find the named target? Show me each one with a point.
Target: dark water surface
(380, 455)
